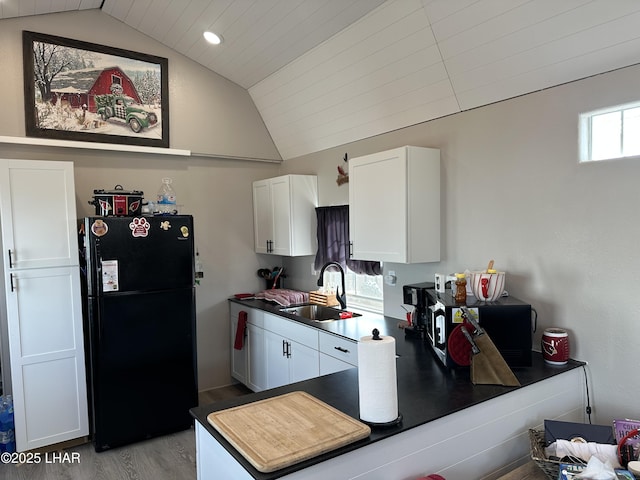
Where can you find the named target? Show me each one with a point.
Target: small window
(364, 292)
(610, 133)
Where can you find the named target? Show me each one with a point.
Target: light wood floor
(171, 457)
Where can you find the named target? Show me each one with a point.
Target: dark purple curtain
(333, 241)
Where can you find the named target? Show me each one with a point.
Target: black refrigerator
(139, 326)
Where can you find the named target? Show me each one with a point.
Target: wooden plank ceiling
(323, 73)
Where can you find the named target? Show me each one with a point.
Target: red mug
(555, 346)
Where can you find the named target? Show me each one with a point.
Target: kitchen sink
(319, 313)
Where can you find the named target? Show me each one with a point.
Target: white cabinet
(284, 215)
(43, 302)
(394, 205)
(38, 214)
(256, 351)
(336, 353)
(288, 361)
(276, 348)
(329, 364)
(291, 351)
(238, 356)
(276, 351)
(247, 363)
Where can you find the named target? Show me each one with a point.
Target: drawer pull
(340, 349)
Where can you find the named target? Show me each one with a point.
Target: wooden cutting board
(281, 431)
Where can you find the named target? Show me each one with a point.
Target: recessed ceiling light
(212, 38)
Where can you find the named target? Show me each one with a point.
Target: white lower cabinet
(329, 364)
(247, 363)
(239, 357)
(336, 353)
(288, 361)
(256, 352)
(276, 351)
(291, 351)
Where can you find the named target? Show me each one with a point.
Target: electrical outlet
(390, 278)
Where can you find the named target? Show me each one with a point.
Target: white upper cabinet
(394, 205)
(284, 215)
(38, 214)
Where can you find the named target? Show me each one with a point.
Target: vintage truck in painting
(125, 108)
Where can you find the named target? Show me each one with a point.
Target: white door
(47, 356)
(276, 359)
(44, 313)
(38, 214)
(238, 357)
(256, 359)
(378, 205)
(329, 364)
(281, 201)
(304, 362)
(262, 216)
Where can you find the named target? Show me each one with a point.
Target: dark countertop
(353, 328)
(426, 389)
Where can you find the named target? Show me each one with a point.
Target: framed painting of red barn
(82, 91)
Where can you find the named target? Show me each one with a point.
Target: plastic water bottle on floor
(7, 434)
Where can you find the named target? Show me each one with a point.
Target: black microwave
(508, 322)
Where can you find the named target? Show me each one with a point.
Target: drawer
(291, 330)
(254, 316)
(339, 347)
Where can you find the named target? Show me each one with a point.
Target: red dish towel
(240, 330)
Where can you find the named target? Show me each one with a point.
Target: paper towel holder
(375, 335)
(392, 423)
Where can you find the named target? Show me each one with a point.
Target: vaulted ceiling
(324, 73)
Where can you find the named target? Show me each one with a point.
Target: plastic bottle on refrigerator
(166, 197)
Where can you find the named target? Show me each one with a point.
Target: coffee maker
(416, 295)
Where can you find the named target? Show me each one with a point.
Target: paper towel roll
(377, 384)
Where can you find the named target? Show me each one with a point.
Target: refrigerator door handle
(98, 288)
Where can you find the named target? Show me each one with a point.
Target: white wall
(566, 234)
(209, 114)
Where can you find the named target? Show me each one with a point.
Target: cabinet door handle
(340, 349)
(10, 260)
(350, 249)
(11, 282)
(288, 350)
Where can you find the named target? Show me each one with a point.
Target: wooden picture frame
(81, 91)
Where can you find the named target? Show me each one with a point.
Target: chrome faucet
(342, 298)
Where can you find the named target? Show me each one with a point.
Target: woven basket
(549, 467)
(328, 300)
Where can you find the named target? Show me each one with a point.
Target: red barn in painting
(78, 87)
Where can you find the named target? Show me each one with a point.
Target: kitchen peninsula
(449, 426)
